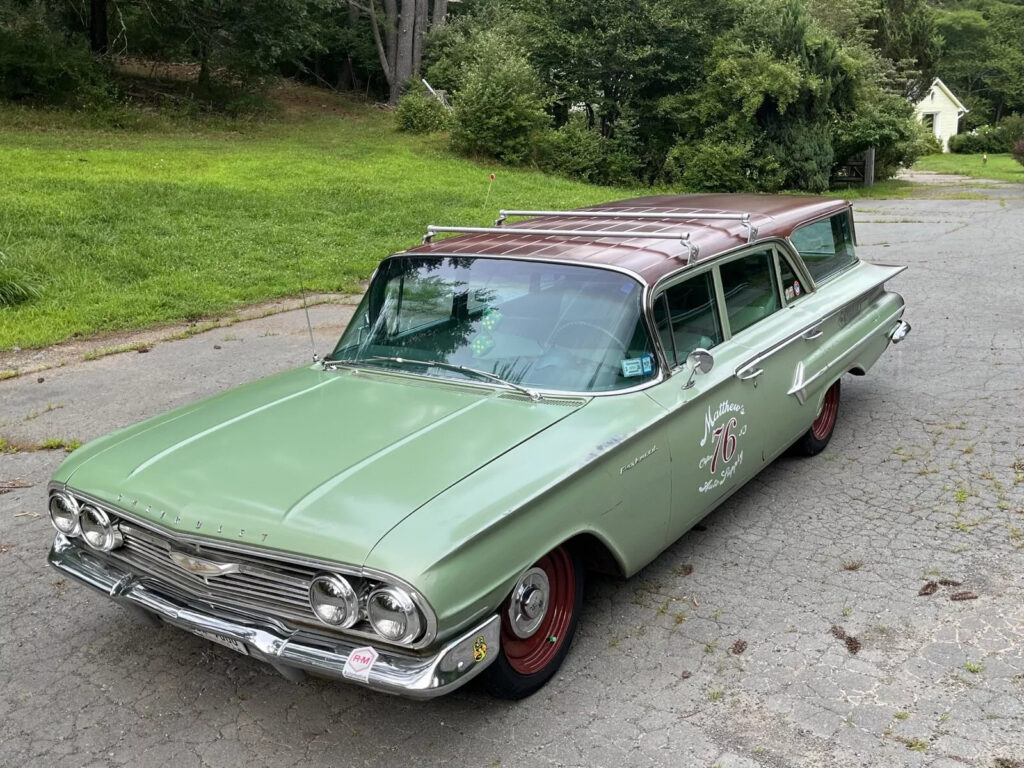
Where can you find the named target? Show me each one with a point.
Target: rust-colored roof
(651, 259)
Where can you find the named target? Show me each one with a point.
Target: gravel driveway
(862, 608)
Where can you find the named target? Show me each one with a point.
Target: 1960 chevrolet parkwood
(507, 407)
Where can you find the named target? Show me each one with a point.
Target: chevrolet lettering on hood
(507, 405)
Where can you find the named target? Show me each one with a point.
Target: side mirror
(699, 361)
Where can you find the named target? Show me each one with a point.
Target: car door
(760, 291)
(713, 442)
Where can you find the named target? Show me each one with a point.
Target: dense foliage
(1018, 151)
(740, 94)
(419, 112)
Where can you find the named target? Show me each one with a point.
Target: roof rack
(684, 237)
(743, 218)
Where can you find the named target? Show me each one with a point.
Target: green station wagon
(509, 407)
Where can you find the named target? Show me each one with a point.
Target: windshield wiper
(533, 395)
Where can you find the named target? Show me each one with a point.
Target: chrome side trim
(800, 384)
(406, 674)
(806, 329)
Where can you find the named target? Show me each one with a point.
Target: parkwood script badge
(723, 429)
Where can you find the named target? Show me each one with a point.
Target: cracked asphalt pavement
(861, 608)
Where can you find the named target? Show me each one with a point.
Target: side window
(826, 246)
(686, 318)
(792, 288)
(751, 292)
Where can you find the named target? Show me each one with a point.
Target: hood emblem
(200, 566)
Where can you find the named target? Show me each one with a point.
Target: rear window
(826, 246)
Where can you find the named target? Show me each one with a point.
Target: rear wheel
(538, 621)
(817, 437)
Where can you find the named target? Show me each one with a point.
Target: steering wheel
(593, 326)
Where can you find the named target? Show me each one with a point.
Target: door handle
(748, 375)
(814, 333)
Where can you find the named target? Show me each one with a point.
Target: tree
(405, 24)
(98, 39)
(983, 56)
(905, 35)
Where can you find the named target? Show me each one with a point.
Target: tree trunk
(404, 51)
(419, 35)
(439, 16)
(391, 35)
(204, 69)
(98, 40)
(347, 80)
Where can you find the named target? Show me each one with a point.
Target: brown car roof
(651, 259)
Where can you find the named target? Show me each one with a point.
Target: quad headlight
(393, 615)
(98, 531)
(333, 600)
(64, 514)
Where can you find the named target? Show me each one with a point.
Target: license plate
(230, 642)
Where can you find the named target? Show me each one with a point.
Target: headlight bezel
(412, 625)
(102, 533)
(346, 594)
(75, 511)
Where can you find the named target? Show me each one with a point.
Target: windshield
(534, 324)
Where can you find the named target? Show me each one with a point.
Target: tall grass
(15, 286)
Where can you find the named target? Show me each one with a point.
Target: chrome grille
(275, 589)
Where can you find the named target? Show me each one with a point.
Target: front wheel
(538, 621)
(816, 438)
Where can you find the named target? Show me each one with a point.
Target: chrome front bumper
(291, 653)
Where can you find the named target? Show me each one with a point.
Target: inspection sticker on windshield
(637, 366)
(360, 662)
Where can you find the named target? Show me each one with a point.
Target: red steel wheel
(817, 437)
(826, 421)
(538, 620)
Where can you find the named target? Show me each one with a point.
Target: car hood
(311, 462)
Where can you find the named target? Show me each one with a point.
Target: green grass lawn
(125, 230)
(998, 167)
(182, 219)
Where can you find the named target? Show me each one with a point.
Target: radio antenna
(305, 308)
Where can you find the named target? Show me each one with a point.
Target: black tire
(524, 665)
(816, 438)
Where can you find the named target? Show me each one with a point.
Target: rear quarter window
(826, 246)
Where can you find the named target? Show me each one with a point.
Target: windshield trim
(356, 366)
(645, 314)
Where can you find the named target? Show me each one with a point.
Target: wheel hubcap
(529, 602)
(539, 613)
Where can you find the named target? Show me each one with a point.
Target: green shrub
(984, 139)
(1018, 151)
(804, 152)
(992, 139)
(928, 143)
(39, 66)
(711, 165)
(419, 112)
(15, 285)
(1011, 128)
(500, 107)
(583, 153)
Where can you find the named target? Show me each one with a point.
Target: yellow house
(941, 111)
